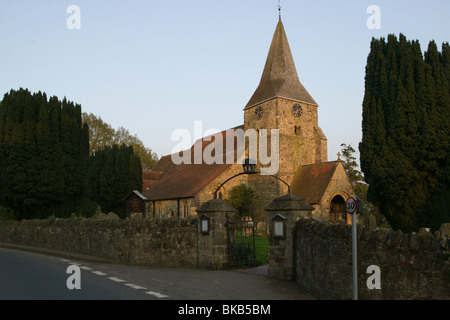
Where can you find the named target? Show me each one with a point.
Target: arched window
(337, 209)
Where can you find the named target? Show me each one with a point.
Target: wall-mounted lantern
(279, 227)
(204, 224)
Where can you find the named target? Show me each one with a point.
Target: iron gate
(241, 241)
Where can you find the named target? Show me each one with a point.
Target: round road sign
(351, 205)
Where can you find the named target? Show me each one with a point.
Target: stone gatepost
(283, 213)
(212, 233)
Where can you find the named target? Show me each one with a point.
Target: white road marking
(85, 268)
(131, 285)
(116, 279)
(134, 286)
(156, 294)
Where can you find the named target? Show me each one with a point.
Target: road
(33, 276)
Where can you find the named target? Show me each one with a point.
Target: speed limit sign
(351, 205)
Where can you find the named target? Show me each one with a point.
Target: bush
(243, 252)
(241, 197)
(7, 213)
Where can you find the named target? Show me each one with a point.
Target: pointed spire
(280, 78)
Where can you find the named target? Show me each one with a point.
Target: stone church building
(279, 102)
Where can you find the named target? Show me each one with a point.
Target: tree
(113, 173)
(350, 165)
(241, 197)
(102, 134)
(405, 145)
(357, 180)
(147, 156)
(43, 150)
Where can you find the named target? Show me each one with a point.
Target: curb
(55, 253)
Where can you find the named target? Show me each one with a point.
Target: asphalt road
(29, 276)
(33, 276)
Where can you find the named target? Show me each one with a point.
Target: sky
(156, 66)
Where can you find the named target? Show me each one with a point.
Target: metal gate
(241, 242)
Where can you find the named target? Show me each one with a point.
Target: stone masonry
(161, 242)
(213, 245)
(412, 266)
(171, 242)
(289, 209)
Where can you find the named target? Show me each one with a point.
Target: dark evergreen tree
(114, 172)
(44, 149)
(405, 145)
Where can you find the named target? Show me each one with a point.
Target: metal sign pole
(354, 258)
(352, 208)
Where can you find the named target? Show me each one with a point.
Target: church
(279, 102)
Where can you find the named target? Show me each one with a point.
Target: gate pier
(282, 214)
(212, 233)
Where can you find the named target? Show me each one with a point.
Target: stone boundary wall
(166, 242)
(413, 266)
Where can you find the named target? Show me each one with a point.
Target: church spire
(280, 78)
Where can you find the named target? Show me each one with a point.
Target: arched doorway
(337, 209)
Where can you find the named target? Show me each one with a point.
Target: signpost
(352, 207)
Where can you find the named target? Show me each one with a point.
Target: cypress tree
(405, 145)
(114, 172)
(44, 148)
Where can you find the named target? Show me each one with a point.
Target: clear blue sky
(156, 66)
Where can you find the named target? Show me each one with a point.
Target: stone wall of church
(300, 143)
(208, 193)
(339, 185)
(301, 128)
(321, 145)
(266, 189)
(163, 209)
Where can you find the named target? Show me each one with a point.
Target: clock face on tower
(297, 110)
(258, 112)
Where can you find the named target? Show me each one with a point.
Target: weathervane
(279, 9)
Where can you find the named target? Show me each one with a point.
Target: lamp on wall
(204, 224)
(249, 165)
(279, 227)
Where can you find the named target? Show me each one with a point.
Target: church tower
(281, 102)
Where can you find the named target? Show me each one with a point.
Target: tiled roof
(151, 175)
(185, 180)
(280, 77)
(311, 181)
